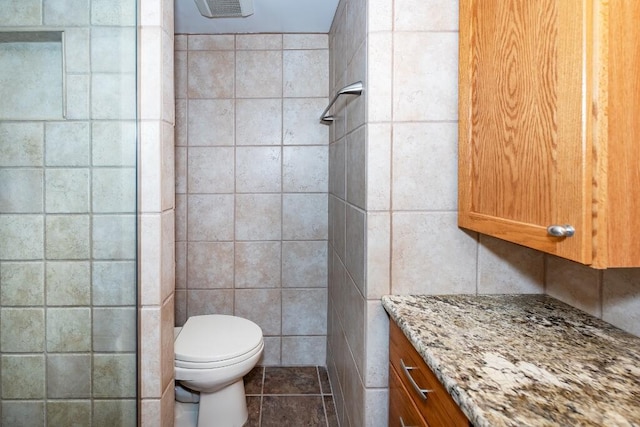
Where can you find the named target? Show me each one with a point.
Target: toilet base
(224, 408)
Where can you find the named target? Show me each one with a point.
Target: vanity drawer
(438, 409)
(402, 411)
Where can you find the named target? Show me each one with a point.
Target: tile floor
(289, 397)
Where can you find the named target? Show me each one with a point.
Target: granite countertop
(524, 360)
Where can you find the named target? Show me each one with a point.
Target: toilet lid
(216, 337)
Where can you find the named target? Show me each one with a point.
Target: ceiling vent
(225, 8)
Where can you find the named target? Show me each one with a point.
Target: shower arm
(352, 89)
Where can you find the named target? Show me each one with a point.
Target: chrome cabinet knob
(561, 230)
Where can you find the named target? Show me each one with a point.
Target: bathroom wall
(393, 188)
(156, 202)
(393, 200)
(251, 186)
(67, 217)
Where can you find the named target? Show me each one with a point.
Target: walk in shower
(68, 213)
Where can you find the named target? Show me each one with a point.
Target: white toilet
(212, 354)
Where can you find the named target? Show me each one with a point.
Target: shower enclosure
(68, 324)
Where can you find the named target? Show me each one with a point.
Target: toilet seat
(215, 341)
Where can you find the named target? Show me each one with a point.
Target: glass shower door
(68, 213)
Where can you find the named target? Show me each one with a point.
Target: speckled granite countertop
(524, 360)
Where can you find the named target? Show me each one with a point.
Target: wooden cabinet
(549, 125)
(411, 407)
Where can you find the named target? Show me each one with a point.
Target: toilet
(212, 354)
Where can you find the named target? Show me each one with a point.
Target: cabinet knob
(561, 230)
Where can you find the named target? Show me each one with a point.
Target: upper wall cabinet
(549, 116)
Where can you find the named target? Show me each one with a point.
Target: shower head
(225, 8)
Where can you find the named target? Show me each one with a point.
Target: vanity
(508, 360)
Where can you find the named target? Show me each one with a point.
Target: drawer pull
(421, 391)
(402, 424)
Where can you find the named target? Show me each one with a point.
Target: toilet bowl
(212, 354)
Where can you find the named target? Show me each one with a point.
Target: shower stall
(68, 197)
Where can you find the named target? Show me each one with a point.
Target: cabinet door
(524, 145)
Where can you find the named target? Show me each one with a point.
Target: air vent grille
(225, 8)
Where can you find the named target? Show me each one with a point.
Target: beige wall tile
(113, 283)
(259, 121)
(378, 254)
(425, 243)
(210, 217)
(258, 217)
(21, 13)
(22, 144)
(621, 298)
(66, 191)
(67, 412)
(337, 169)
(150, 265)
(268, 317)
(574, 284)
(356, 246)
(112, 190)
(210, 122)
(112, 375)
(304, 216)
(379, 76)
(306, 41)
(67, 237)
(181, 74)
(429, 61)
(506, 268)
(68, 283)
(21, 190)
(357, 167)
(71, 142)
(425, 15)
(110, 12)
(68, 330)
(211, 41)
(66, 12)
(112, 331)
(425, 166)
(305, 73)
(259, 74)
(150, 352)
(304, 311)
(304, 350)
(211, 74)
(305, 169)
(258, 170)
(301, 121)
(257, 264)
(210, 170)
(22, 283)
(113, 143)
(259, 41)
(377, 346)
(62, 366)
(23, 377)
(114, 237)
(209, 265)
(304, 264)
(23, 237)
(271, 355)
(209, 301)
(23, 330)
(113, 96)
(380, 16)
(379, 160)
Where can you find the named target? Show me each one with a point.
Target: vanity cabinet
(416, 397)
(549, 126)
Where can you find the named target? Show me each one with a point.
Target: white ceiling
(270, 16)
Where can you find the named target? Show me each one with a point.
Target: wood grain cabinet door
(525, 143)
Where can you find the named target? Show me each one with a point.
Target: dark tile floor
(289, 397)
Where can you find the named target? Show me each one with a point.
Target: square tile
(259, 74)
(114, 329)
(292, 410)
(305, 73)
(211, 74)
(210, 217)
(21, 190)
(257, 264)
(209, 301)
(304, 350)
(67, 143)
(60, 367)
(68, 330)
(304, 216)
(291, 380)
(259, 121)
(304, 311)
(209, 265)
(23, 237)
(67, 190)
(258, 169)
(210, 122)
(67, 412)
(23, 377)
(210, 170)
(22, 330)
(21, 144)
(258, 216)
(304, 264)
(68, 283)
(114, 283)
(67, 237)
(114, 190)
(112, 375)
(114, 237)
(22, 283)
(268, 317)
(305, 169)
(301, 121)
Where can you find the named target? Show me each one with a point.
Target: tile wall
(393, 200)
(251, 186)
(156, 202)
(67, 220)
